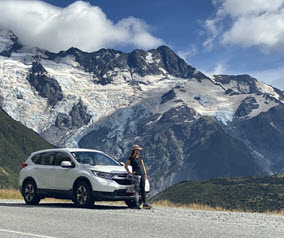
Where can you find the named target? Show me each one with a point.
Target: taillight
(24, 165)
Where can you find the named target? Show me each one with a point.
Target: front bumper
(117, 195)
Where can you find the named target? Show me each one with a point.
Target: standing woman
(139, 175)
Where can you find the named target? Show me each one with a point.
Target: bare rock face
(265, 134)
(168, 96)
(241, 83)
(46, 86)
(65, 123)
(246, 107)
(76, 118)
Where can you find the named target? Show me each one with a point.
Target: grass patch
(16, 195)
(10, 194)
(195, 206)
(261, 194)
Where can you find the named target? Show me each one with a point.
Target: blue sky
(215, 36)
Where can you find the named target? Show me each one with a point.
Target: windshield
(94, 158)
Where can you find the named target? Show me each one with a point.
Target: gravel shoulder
(107, 220)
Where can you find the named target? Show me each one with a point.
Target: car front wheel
(82, 196)
(30, 193)
(132, 203)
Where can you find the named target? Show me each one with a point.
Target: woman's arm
(126, 167)
(144, 169)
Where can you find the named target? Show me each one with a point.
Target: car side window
(47, 158)
(60, 156)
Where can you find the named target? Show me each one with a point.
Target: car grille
(122, 179)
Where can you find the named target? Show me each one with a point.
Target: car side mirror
(66, 164)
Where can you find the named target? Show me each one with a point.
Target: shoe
(138, 206)
(146, 206)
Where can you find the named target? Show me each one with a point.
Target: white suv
(83, 175)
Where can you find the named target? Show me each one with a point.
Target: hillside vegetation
(256, 194)
(16, 144)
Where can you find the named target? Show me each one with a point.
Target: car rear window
(47, 158)
(44, 158)
(36, 158)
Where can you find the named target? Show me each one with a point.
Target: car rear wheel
(30, 193)
(82, 196)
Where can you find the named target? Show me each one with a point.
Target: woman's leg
(142, 189)
(136, 180)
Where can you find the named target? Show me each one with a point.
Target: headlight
(102, 174)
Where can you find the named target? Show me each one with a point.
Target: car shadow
(64, 205)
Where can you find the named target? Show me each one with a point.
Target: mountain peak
(164, 48)
(73, 50)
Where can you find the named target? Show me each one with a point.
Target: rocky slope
(191, 126)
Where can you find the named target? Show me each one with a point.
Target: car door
(44, 170)
(63, 178)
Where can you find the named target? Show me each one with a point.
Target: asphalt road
(49, 220)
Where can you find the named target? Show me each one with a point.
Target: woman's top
(136, 164)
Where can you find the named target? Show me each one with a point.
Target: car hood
(107, 169)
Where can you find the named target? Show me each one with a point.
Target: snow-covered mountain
(192, 126)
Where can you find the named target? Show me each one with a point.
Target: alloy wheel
(82, 195)
(29, 192)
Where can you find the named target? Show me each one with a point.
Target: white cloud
(272, 76)
(188, 53)
(237, 8)
(137, 33)
(220, 68)
(213, 32)
(266, 31)
(79, 25)
(247, 23)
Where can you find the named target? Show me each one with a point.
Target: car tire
(132, 203)
(82, 195)
(30, 193)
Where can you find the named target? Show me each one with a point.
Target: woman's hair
(132, 153)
